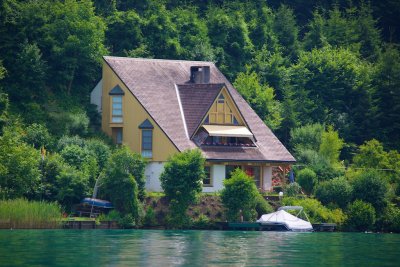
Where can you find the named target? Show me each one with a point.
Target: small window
(147, 143)
(221, 99)
(116, 109)
(207, 180)
(117, 135)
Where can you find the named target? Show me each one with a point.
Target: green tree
(331, 145)
(361, 216)
(387, 81)
(286, 29)
(19, 166)
(307, 137)
(124, 32)
(239, 196)
(369, 186)
(307, 179)
(72, 186)
(181, 181)
(337, 191)
(119, 184)
(37, 135)
(260, 97)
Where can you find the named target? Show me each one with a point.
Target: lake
(195, 248)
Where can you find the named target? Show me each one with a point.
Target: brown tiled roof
(196, 100)
(153, 82)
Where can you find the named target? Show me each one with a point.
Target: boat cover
(97, 202)
(292, 222)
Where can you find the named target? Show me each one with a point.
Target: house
(161, 107)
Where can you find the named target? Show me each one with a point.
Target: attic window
(147, 138)
(116, 111)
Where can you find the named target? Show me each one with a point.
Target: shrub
(37, 135)
(67, 140)
(316, 211)
(72, 186)
(307, 179)
(119, 185)
(240, 193)
(181, 181)
(361, 216)
(391, 219)
(99, 150)
(372, 188)
(337, 191)
(202, 222)
(150, 217)
(127, 221)
(262, 206)
(292, 189)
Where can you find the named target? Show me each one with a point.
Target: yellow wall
(133, 115)
(218, 112)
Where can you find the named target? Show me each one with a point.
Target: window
(117, 135)
(255, 172)
(147, 143)
(116, 109)
(229, 169)
(207, 180)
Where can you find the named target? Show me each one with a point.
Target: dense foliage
(181, 181)
(240, 197)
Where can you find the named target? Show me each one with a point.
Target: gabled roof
(196, 100)
(153, 83)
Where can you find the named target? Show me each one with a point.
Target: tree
(72, 186)
(361, 216)
(260, 97)
(337, 191)
(239, 196)
(331, 145)
(181, 181)
(307, 137)
(286, 29)
(19, 165)
(370, 187)
(387, 79)
(37, 135)
(119, 184)
(307, 179)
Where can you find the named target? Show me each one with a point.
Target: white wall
(267, 178)
(217, 178)
(96, 94)
(152, 173)
(154, 169)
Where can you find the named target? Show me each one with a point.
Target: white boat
(284, 221)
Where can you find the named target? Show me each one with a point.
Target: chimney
(200, 74)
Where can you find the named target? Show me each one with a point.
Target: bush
(150, 217)
(337, 191)
(371, 187)
(202, 222)
(262, 206)
(37, 135)
(292, 189)
(361, 216)
(67, 140)
(392, 219)
(316, 211)
(127, 221)
(307, 179)
(240, 194)
(181, 181)
(99, 150)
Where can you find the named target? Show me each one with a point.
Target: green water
(195, 248)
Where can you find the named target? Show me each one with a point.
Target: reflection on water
(195, 248)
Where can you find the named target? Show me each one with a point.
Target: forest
(323, 75)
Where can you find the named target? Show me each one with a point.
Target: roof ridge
(156, 59)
